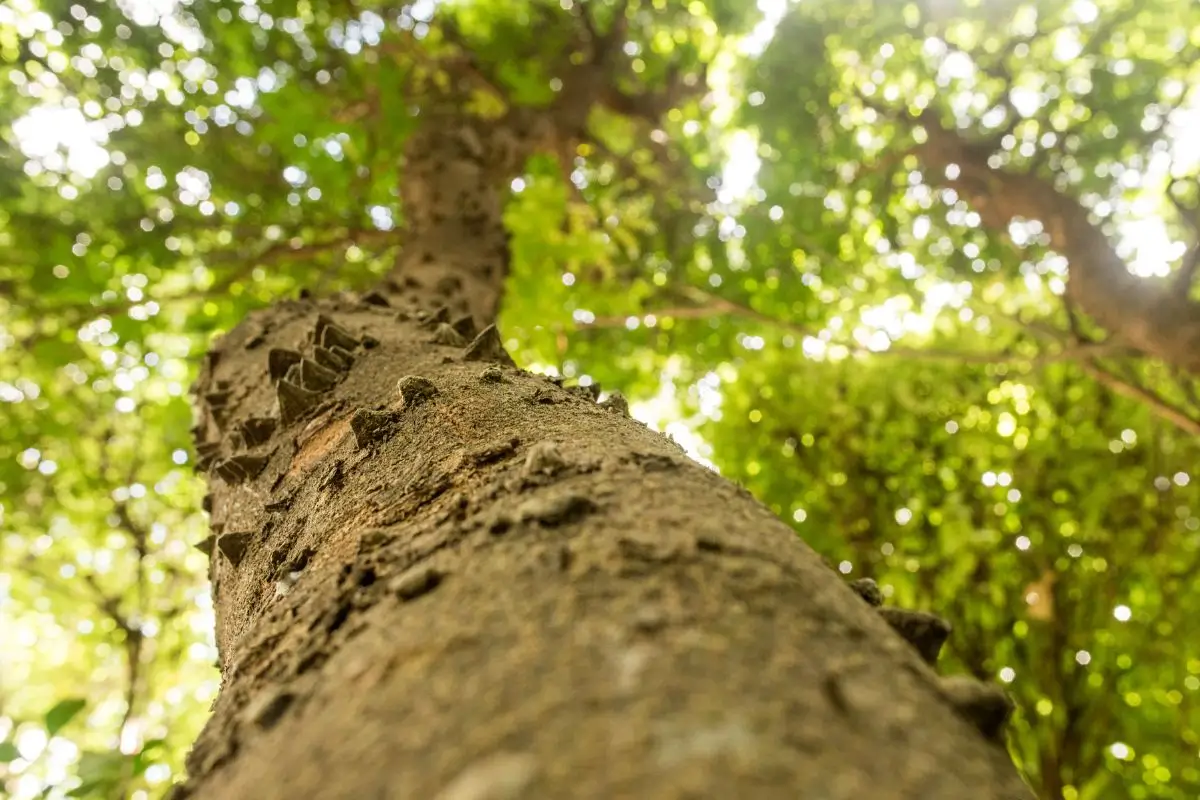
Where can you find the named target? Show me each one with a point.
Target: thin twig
(1155, 402)
(718, 306)
(1122, 386)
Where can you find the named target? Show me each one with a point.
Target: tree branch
(464, 65)
(605, 44)
(1149, 316)
(652, 106)
(1160, 406)
(716, 306)
(1125, 387)
(1190, 217)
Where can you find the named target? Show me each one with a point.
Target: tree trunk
(436, 575)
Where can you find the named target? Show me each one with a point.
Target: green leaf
(8, 753)
(63, 712)
(97, 767)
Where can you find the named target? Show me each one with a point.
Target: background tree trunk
(438, 576)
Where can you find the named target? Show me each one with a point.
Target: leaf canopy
(781, 272)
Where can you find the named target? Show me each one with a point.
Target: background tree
(260, 156)
(973, 276)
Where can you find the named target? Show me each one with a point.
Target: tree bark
(436, 575)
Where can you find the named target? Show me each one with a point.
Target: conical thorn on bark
(416, 582)
(239, 468)
(295, 401)
(616, 402)
(446, 335)
(984, 705)
(317, 378)
(544, 458)
(267, 710)
(370, 427)
(439, 317)
(234, 545)
(279, 361)
(487, 346)
(257, 430)
(868, 590)
(415, 390)
(334, 358)
(465, 327)
(376, 299)
(924, 631)
(329, 334)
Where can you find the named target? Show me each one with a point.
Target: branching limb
(652, 106)
(605, 45)
(110, 606)
(1147, 315)
(464, 66)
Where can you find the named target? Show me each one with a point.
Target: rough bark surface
(438, 576)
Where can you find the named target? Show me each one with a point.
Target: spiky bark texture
(437, 576)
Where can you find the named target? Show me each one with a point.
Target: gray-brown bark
(438, 576)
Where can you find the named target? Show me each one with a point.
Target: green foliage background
(768, 275)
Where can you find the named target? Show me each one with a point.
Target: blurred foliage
(769, 274)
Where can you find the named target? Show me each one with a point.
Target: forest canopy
(919, 275)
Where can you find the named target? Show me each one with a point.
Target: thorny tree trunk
(438, 576)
